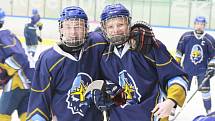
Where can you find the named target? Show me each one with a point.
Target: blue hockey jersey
(60, 82)
(197, 52)
(30, 33)
(142, 77)
(10, 44)
(209, 117)
(13, 55)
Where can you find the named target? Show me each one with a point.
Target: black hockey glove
(210, 70)
(116, 93)
(110, 96)
(40, 28)
(102, 100)
(142, 38)
(4, 77)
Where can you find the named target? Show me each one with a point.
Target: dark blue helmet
(115, 10)
(2, 15)
(200, 19)
(73, 12)
(34, 11)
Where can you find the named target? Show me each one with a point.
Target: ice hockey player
(30, 32)
(64, 71)
(15, 75)
(142, 66)
(199, 57)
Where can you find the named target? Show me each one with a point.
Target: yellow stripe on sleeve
(177, 93)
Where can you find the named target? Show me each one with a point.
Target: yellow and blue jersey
(60, 82)
(15, 61)
(197, 52)
(143, 77)
(30, 33)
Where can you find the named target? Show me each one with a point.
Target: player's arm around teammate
(141, 66)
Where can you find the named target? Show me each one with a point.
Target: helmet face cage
(73, 32)
(116, 29)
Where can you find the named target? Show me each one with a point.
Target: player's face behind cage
(199, 26)
(73, 32)
(117, 29)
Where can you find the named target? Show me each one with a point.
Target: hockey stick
(208, 76)
(106, 115)
(98, 84)
(40, 36)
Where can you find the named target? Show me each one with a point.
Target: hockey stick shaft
(191, 97)
(105, 115)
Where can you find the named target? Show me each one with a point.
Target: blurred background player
(30, 32)
(15, 75)
(35, 18)
(64, 71)
(199, 55)
(141, 69)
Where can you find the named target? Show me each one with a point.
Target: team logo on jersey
(127, 82)
(196, 54)
(76, 101)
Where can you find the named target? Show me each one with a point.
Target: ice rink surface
(169, 36)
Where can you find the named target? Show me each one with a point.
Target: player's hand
(163, 109)
(116, 93)
(210, 71)
(110, 96)
(40, 26)
(102, 100)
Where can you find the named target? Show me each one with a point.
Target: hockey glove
(116, 93)
(110, 96)
(40, 26)
(210, 71)
(4, 77)
(142, 38)
(102, 100)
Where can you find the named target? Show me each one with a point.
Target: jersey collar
(124, 50)
(60, 51)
